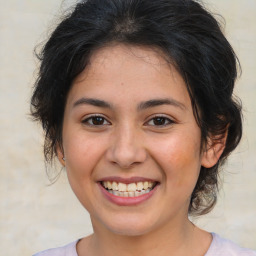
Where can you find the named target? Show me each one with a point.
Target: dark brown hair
(188, 35)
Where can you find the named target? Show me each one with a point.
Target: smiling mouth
(128, 190)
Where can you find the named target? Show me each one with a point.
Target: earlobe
(213, 150)
(60, 155)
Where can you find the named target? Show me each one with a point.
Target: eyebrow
(93, 102)
(159, 102)
(141, 106)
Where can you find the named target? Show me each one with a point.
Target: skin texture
(129, 143)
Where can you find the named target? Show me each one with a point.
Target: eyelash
(90, 118)
(170, 121)
(89, 121)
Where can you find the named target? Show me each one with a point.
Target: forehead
(125, 52)
(129, 70)
(117, 56)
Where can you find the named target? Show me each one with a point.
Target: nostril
(126, 166)
(127, 157)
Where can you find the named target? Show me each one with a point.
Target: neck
(185, 239)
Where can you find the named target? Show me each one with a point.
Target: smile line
(128, 190)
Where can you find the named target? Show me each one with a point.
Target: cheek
(82, 154)
(179, 157)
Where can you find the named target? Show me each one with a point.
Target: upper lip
(127, 180)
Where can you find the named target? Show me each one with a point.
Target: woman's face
(131, 142)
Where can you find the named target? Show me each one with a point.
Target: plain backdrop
(35, 216)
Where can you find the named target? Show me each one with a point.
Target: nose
(126, 148)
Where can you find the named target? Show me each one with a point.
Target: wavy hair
(191, 39)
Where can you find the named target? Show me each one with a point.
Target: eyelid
(88, 117)
(171, 120)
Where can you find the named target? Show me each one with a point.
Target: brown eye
(160, 121)
(95, 121)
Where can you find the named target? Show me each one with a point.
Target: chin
(129, 226)
(129, 231)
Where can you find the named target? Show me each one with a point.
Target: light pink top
(219, 247)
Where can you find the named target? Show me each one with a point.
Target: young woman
(135, 97)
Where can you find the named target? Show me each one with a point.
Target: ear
(214, 148)
(60, 155)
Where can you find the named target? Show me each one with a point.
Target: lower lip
(127, 201)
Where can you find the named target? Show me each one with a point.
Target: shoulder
(67, 250)
(224, 247)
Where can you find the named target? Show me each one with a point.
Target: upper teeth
(131, 187)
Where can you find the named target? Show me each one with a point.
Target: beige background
(34, 216)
